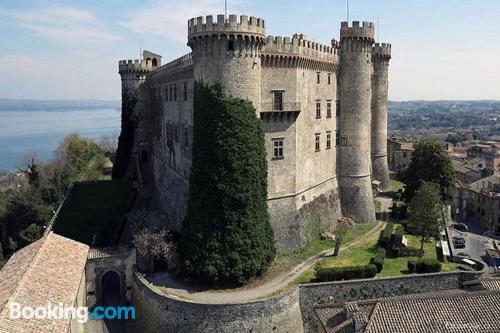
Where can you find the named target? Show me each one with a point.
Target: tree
(154, 244)
(430, 163)
(426, 215)
(226, 237)
(127, 135)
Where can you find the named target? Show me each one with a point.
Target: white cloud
(65, 25)
(169, 18)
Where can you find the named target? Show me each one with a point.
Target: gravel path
(178, 290)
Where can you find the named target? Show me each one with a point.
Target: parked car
(460, 227)
(463, 254)
(459, 245)
(458, 239)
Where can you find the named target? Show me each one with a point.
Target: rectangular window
(328, 140)
(171, 94)
(337, 138)
(337, 108)
(186, 137)
(343, 142)
(278, 148)
(230, 45)
(175, 92)
(316, 141)
(329, 108)
(318, 109)
(318, 77)
(329, 78)
(185, 91)
(166, 93)
(278, 101)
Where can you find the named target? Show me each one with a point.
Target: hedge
(325, 274)
(427, 265)
(385, 238)
(412, 265)
(378, 260)
(397, 240)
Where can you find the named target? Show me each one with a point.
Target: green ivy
(127, 135)
(227, 237)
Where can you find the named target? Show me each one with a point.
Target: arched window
(155, 62)
(148, 61)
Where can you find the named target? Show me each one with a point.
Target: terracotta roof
(446, 311)
(104, 252)
(491, 283)
(51, 271)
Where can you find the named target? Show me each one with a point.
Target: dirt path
(280, 282)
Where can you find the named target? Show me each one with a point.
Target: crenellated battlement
(366, 30)
(300, 45)
(135, 65)
(382, 50)
(244, 25)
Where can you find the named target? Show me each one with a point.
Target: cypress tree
(227, 237)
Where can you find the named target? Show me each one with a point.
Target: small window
(318, 109)
(278, 148)
(175, 92)
(171, 94)
(186, 137)
(337, 138)
(343, 142)
(337, 108)
(166, 93)
(329, 78)
(316, 142)
(404, 154)
(329, 108)
(144, 156)
(230, 45)
(318, 77)
(328, 140)
(185, 91)
(278, 101)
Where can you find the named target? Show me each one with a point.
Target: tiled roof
(51, 272)
(491, 283)
(105, 252)
(448, 311)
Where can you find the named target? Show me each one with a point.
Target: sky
(442, 49)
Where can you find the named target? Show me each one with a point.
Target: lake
(39, 126)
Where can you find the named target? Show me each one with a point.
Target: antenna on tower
(140, 49)
(347, 5)
(225, 8)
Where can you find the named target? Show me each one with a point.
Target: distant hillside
(410, 118)
(55, 105)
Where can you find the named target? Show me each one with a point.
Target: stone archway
(111, 293)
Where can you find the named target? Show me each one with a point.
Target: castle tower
(355, 94)
(228, 52)
(381, 54)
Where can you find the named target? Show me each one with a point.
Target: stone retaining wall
(159, 312)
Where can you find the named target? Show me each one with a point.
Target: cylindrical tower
(381, 54)
(133, 74)
(228, 52)
(355, 92)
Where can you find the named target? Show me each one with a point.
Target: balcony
(280, 107)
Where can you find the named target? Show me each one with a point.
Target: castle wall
(158, 312)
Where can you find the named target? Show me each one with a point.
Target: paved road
(176, 289)
(475, 245)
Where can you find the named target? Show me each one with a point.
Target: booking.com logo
(81, 313)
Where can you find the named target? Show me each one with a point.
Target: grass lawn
(93, 212)
(362, 253)
(285, 263)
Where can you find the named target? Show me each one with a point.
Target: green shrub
(325, 274)
(385, 238)
(378, 260)
(428, 265)
(439, 253)
(370, 271)
(397, 240)
(412, 265)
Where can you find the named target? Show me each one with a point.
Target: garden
(390, 253)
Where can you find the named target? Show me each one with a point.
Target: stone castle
(323, 109)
